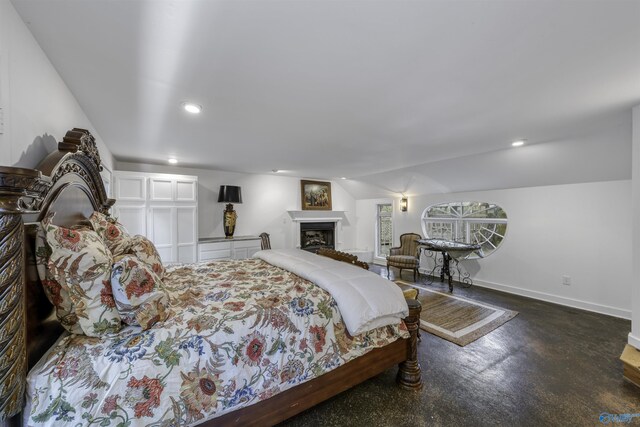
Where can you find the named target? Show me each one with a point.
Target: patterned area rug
(458, 319)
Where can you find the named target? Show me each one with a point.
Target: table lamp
(229, 194)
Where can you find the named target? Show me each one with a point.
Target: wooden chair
(406, 255)
(265, 242)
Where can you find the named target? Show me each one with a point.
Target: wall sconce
(404, 204)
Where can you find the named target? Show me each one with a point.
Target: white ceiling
(601, 154)
(339, 88)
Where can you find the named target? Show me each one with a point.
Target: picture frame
(315, 195)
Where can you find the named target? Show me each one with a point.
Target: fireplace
(316, 235)
(325, 227)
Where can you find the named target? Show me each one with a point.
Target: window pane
(384, 229)
(385, 235)
(440, 230)
(385, 209)
(470, 222)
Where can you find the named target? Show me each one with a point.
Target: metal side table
(451, 251)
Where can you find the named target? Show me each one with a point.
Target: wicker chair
(265, 241)
(406, 255)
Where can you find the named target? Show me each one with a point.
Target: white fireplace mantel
(317, 216)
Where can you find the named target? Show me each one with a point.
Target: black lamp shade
(230, 194)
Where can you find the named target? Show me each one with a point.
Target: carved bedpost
(342, 256)
(409, 374)
(20, 192)
(79, 154)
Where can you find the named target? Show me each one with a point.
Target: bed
(228, 315)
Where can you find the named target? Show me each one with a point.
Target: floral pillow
(57, 295)
(80, 263)
(146, 252)
(112, 232)
(138, 293)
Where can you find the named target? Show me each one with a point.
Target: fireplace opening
(316, 235)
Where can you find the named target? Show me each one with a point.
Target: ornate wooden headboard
(66, 182)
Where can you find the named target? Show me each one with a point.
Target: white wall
(578, 230)
(38, 106)
(266, 200)
(634, 336)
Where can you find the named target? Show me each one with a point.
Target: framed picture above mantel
(315, 195)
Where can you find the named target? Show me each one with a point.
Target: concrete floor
(550, 365)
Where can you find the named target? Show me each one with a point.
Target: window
(469, 222)
(384, 229)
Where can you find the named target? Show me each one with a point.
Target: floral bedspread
(240, 332)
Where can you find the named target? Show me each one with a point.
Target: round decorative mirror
(469, 222)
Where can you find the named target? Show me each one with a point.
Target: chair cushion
(405, 261)
(410, 293)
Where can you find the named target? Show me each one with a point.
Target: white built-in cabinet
(240, 247)
(162, 207)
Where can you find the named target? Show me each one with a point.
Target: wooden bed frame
(68, 183)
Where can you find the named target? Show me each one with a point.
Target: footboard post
(19, 193)
(409, 373)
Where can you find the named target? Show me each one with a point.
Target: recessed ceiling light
(518, 143)
(343, 177)
(192, 108)
(172, 160)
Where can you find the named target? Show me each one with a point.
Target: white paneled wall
(134, 216)
(163, 207)
(186, 233)
(161, 228)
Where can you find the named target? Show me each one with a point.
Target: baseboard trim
(634, 341)
(631, 365)
(556, 299)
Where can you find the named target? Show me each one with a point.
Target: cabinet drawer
(246, 244)
(239, 253)
(214, 246)
(218, 254)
